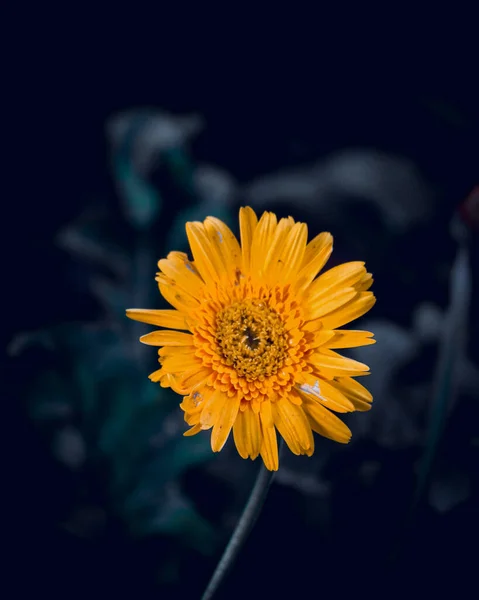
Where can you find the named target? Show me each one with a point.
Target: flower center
(252, 339)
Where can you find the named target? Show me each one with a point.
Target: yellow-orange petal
(349, 338)
(173, 319)
(248, 222)
(278, 240)
(293, 425)
(325, 423)
(226, 246)
(319, 306)
(156, 375)
(175, 295)
(195, 401)
(351, 311)
(247, 433)
(341, 365)
(174, 382)
(315, 257)
(179, 269)
(286, 432)
(181, 362)
(167, 337)
(360, 397)
(193, 431)
(262, 239)
(345, 275)
(285, 267)
(324, 392)
(364, 283)
(212, 409)
(207, 260)
(321, 337)
(190, 379)
(175, 351)
(269, 442)
(224, 423)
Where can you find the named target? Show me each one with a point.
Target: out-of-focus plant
(105, 418)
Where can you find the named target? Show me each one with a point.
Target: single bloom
(251, 342)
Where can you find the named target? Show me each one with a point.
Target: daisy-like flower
(259, 332)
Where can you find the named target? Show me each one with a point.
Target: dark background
(342, 521)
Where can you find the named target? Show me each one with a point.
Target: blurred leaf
(49, 398)
(452, 352)
(175, 515)
(87, 391)
(182, 169)
(141, 202)
(119, 401)
(176, 455)
(88, 241)
(168, 455)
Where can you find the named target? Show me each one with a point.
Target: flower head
(256, 350)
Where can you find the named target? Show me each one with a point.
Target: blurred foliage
(127, 431)
(120, 436)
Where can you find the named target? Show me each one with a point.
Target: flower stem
(245, 524)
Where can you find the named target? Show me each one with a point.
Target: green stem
(245, 524)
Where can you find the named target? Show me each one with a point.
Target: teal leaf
(141, 202)
(175, 515)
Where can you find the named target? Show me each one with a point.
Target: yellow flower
(258, 348)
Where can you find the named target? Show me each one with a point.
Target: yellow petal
(293, 425)
(351, 311)
(173, 381)
(207, 260)
(291, 254)
(345, 275)
(262, 239)
(269, 443)
(247, 433)
(339, 364)
(156, 375)
(173, 319)
(191, 379)
(274, 251)
(315, 257)
(350, 338)
(365, 283)
(286, 432)
(226, 246)
(266, 412)
(167, 337)
(193, 431)
(194, 402)
(318, 306)
(326, 393)
(248, 221)
(212, 409)
(360, 397)
(321, 338)
(175, 295)
(178, 268)
(326, 423)
(175, 350)
(224, 423)
(181, 362)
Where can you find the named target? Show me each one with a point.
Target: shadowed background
(109, 497)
